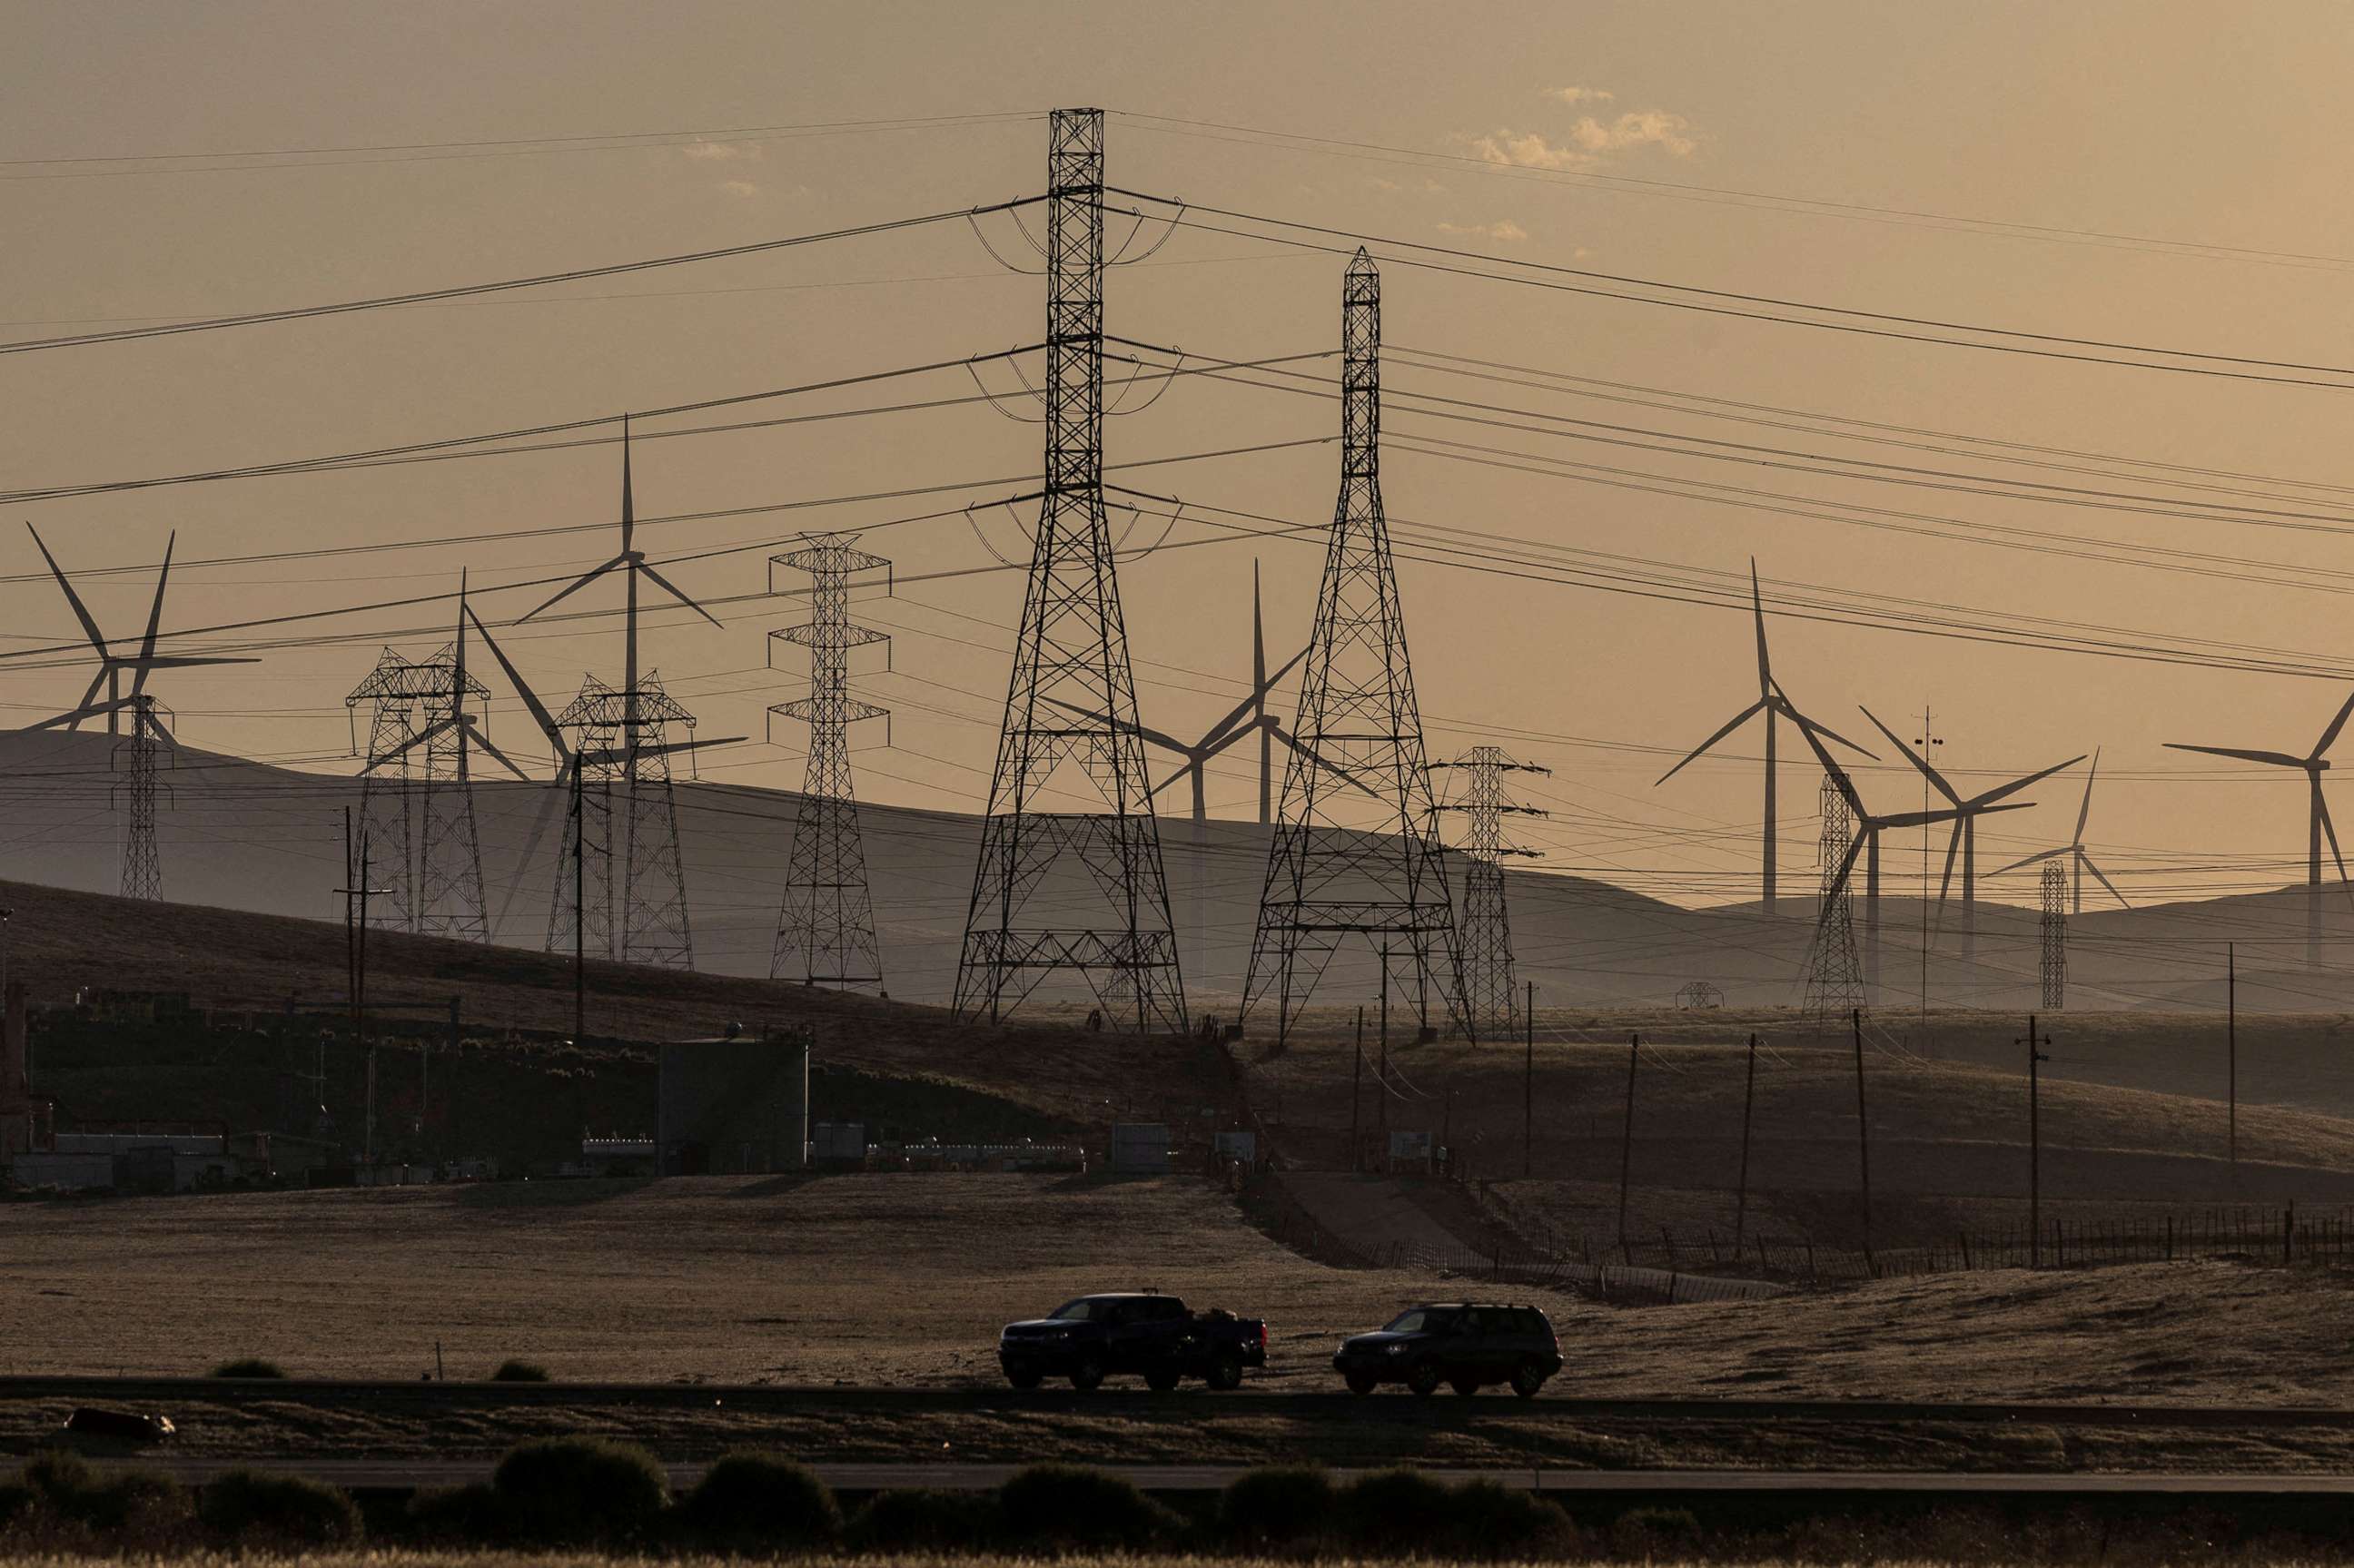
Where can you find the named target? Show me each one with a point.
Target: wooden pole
(1356, 1078)
(1748, 1103)
(2232, 1061)
(2035, 1058)
(1529, 1082)
(1627, 1137)
(1863, 1137)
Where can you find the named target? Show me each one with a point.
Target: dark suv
(1136, 1333)
(1466, 1345)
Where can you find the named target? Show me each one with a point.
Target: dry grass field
(905, 1280)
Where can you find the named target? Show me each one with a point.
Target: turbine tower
(623, 747)
(825, 933)
(1488, 984)
(1337, 871)
(1774, 704)
(150, 738)
(1072, 891)
(2317, 824)
(2076, 851)
(1964, 838)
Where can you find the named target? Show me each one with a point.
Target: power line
(380, 302)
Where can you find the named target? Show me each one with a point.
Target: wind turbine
(143, 869)
(1866, 844)
(1771, 703)
(110, 664)
(1965, 839)
(2075, 848)
(2315, 763)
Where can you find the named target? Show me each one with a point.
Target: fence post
(2059, 1244)
(1810, 1258)
(2169, 1238)
(1966, 1250)
(2288, 1233)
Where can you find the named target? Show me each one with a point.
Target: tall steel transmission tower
(1072, 891)
(392, 688)
(825, 934)
(1343, 866)
(1488, 987)
(137, 759)
(2054, 968)
(1834, 975)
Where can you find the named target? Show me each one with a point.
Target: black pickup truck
(1131, 1333)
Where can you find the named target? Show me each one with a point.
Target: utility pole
(1748, 1104)
(1383, 1101)
(2035, 1060)
(356, 893)
(1927, 741)
(1627, 1137)
(2232, 1061)
(580, 905)
(1529, 1081)
(1356, 1096)
(1862, 1136)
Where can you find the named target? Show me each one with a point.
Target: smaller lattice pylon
(1834, 973)
(825, 930)
(1491, 994)
(2053, 928)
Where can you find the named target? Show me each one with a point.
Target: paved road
(963, 1476)
(1255, 1401)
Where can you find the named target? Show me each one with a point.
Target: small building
(732, 1106)
(1140, 1149)
(1411, 1152)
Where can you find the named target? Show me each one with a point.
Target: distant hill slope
(246, 835)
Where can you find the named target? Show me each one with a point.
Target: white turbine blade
(677, 593)
(2330, 734)
(2086, 862)
(575, 586)
(2278, 758)
(2015, 784)
(154, 617)
(1918, 761)
(474, 733)
(523, 688)
(1744, 716)
(2330, 830)
(405, 748)
(81, 611)
(2085, 810)
(557, 795)
(2031, 860)
(1757, 609)
(1953, 847)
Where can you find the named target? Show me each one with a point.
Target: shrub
(16, 1497)
(471, 1515)
(1070, 1505)
(1405, 1512)
(1278, 1503)
(925, 1521)
(519, 1371)
(562, 1491)
(749, 1502)
(1655, 1532)
(249, 1366)
(287, 1511)
(132, 1505)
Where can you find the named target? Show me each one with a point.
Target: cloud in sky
(1503, 230)
(741, 188)
(1582, 95)
(720, 152)
(1591, 138)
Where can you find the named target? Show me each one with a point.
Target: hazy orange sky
(2096, 119)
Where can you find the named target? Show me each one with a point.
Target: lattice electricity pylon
(143, 869)
(1338, 870)
(136, 757)
(1488, 986)
(825, 933)
(394, 688)
(1834, 974)
(1072, 892)
(2053, 971)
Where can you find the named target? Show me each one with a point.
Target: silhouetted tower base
(2054, 931)
(1354, 865)
(1070, 881)
(825, 934)
(1834, 974)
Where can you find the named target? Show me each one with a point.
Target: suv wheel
(1422, 1378)
(1362, 1381)
(1022, 1377)
(1087, 1374)
(1465, 1386)
(1227, 1371)
(1527, 1380)
(1161, 1379)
